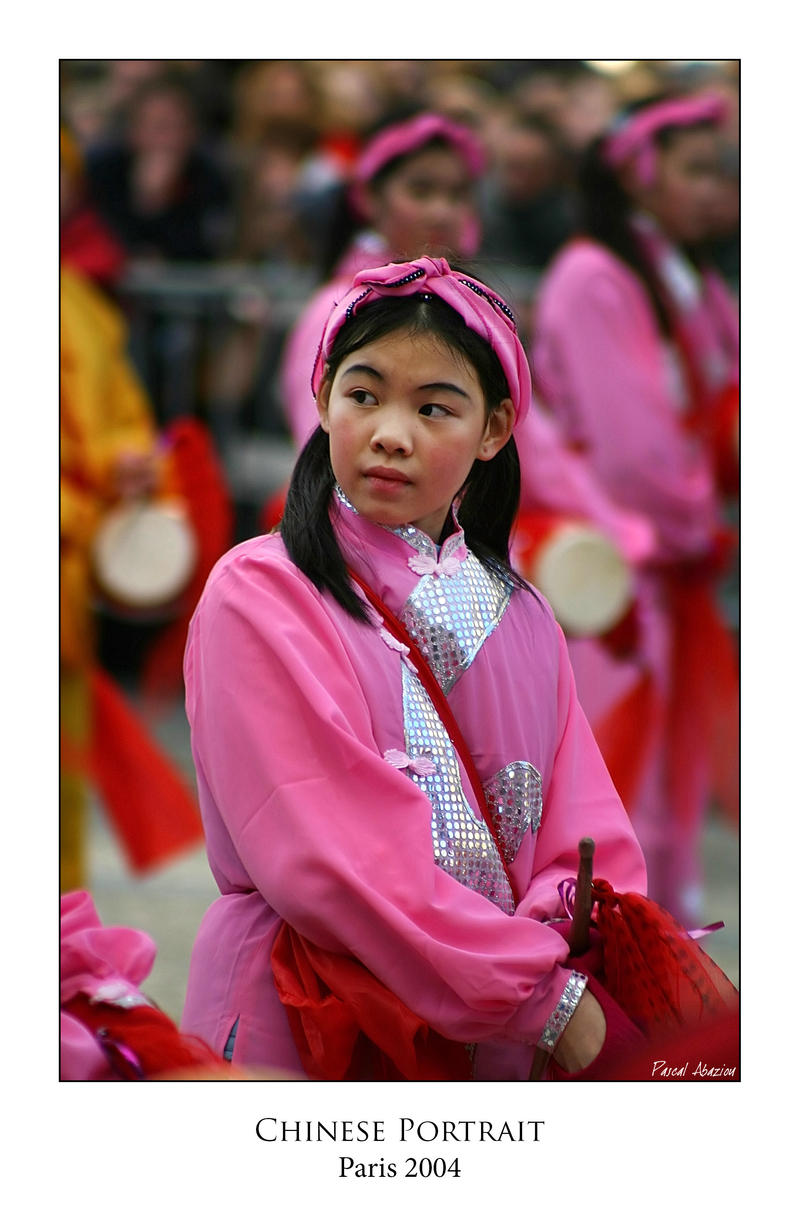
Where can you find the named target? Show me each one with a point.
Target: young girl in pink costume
(636, 353)
(334, 797)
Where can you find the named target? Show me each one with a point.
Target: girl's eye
(434, 410)
(360, 396)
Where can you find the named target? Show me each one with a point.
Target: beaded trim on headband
(495, 300)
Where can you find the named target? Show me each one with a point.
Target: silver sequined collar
(412, 535)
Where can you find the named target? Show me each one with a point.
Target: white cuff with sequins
(567, 1003)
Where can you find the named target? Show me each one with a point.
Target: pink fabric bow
(427, 565)
(401, 761)
(635, 138)
(481, 309)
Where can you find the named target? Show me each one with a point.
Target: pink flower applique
(391, 642)
(401, 761)
(426, 565)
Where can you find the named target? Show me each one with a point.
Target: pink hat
(634, 138)
(405, 137)
(482, 310)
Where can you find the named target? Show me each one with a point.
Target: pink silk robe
(615, 389)
(293, 706)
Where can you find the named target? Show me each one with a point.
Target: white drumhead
(144, 554)
(585, 579)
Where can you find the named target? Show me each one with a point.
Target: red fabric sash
(348, 1026)
(704, 714)
(149, 805)
(199, 480)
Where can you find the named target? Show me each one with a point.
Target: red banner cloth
(152, 810)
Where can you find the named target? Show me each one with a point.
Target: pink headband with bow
(635, 137)
(482, 310)
(406, 137)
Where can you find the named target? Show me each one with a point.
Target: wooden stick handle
(581, 917)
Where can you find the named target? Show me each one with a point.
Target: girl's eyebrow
(443, 387)
(361, 369)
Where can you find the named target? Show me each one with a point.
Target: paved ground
(170, 903)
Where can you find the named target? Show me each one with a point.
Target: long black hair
(606, 209)
(490, 496)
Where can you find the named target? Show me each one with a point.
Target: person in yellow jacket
(109, 452)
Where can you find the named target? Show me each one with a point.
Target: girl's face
(407, 418)
(683, 195)
(425, 205)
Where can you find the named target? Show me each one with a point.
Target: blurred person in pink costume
(411, 193)
(349, 825)
(635, 351)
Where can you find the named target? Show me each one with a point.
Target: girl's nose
(391, 433)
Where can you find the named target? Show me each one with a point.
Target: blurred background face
(425, 205)
(162, 122)
(684, 195)
(526, 163)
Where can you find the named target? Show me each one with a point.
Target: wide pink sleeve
(297, 364)
(581, 801)
(335, 839)
(599, 361)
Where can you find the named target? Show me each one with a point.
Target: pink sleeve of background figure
(580, 791)
(599, 362)
(336, 840)
(559, 480)
(297, 398)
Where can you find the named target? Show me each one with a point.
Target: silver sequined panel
(450, 617)
(514, 796)
(563, 1012)
(462, 844)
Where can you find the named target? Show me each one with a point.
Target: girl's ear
(323, 398)
(498, 429)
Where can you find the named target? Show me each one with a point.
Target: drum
(579, 570)
(144, 555)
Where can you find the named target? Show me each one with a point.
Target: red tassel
(200, 482)
(149, 805)
(660, 977)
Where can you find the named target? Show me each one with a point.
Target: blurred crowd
(212, 160)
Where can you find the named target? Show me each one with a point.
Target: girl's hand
(583, 1036)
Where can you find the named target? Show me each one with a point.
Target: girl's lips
(388, 474)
